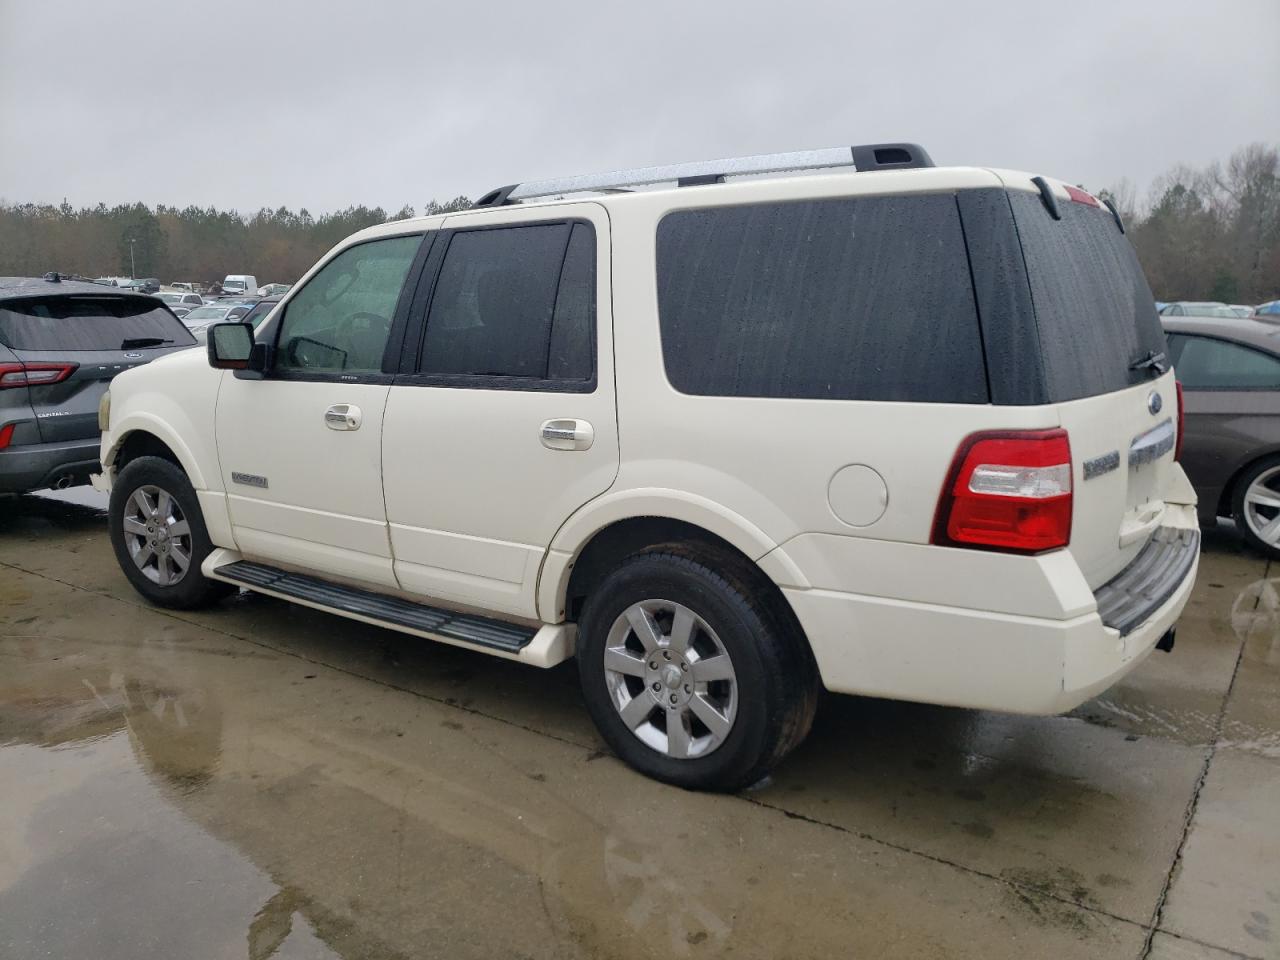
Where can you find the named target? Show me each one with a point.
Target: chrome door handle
(342, 416)
(567, 434)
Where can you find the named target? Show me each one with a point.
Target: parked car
(258, 315)
(1240, 309)
(1230, 377)
(671, 430)
(1188, 308)
(61, 343)
(274, 289)
(240, 283)
(176, 300)
(201, 318)
(1269, 309)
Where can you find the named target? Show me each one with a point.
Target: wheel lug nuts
(673, 698)
(684, 666)
(666, 655)
(688, 689)
(653, 665)
(656, 686)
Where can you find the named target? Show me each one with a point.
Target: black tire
(190, 590)
(776, 679)
(1239, 507)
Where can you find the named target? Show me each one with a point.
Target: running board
(497, 636)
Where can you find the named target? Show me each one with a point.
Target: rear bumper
(958, 656)
(36, 466)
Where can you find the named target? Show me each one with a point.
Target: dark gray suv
(61, 342)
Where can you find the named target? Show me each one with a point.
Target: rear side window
(1204, 363)
(76, 323)
(846, 299)
(514, 302)
(1093, 308)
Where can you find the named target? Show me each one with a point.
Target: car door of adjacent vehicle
(504, 421)
(1232, 397)
(301, 450)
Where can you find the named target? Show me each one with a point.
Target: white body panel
(322, 505)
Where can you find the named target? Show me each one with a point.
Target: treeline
(1209, 233)
(201, 244)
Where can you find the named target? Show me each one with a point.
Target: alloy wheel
(1262, 506)
(158, 535)
(671, 679)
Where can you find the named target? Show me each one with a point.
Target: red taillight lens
(1182, 419)
(6, 434)
(34, 374)
(1008, 490)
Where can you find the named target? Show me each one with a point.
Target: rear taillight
(1008, 490)
(1182, 419)
(34, 374)
(6, 434)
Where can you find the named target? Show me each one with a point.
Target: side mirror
(230, 346)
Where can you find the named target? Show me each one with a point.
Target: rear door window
(78, 323)
(844, 299)
(517, 304)
(1094, 311)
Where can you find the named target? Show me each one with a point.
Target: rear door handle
(342, 416)
(567, 434)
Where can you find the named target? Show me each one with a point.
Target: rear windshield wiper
(132, 342)
(1151, 360)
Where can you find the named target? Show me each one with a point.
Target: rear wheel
(691, 675)
(159, 536)
(1255, 505)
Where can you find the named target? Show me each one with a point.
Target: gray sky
(322, 105)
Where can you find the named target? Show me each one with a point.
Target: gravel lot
(264, 780)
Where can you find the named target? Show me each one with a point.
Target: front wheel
(691, 676)
(1255, 505)
(159, 536)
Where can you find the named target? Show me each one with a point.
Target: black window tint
(87, 323)
(338, 323)
(1207, 364)
(494, 301)
(1094, 311)
(847, 299)
(571, 352)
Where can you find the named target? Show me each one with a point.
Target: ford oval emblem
(1154, 403)
(138, 356)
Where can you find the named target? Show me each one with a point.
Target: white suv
(901, 431)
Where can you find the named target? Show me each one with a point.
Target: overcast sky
(388, 102)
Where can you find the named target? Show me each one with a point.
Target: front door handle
(342, 416)
(567, 434)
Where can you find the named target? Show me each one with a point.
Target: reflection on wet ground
(261, 780)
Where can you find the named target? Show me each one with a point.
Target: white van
(903, 432)
(240, 283)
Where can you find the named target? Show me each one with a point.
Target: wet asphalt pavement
(262, 780)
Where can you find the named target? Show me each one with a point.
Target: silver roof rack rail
(875, 156)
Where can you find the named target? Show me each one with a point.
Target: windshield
(170, 297)
(232, 284)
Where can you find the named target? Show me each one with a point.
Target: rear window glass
(87, 323)
(845, 299)
(1094, 311)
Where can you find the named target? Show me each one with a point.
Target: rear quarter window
(1093, 309)
(864, 298)
(74, 323)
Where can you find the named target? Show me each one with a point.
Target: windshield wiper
(1151, 360)
(132, 342)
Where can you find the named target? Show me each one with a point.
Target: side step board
(494, 635)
